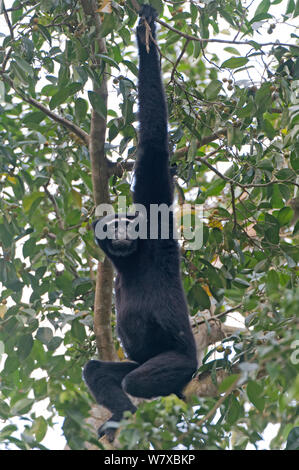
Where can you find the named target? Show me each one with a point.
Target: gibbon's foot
(109, 432)
(149, 14)
(106, 431)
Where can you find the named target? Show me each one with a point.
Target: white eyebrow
(117, 220)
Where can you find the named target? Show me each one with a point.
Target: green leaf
(97, 103)
(64, 282)
(4, 410)
(263, 7)
(241, 283)
(17, 11)
(285, 216)
(54, 343)
(22, 406)
(227, 382)
(272, 281)
(35, 117)
(5, 234)
(23, 64)
(198, 297)
(269, 129)
(30, 247)
(45, 33)
(125, 34)
(29, 199)
(131, 66)
(192, 150)
(285, 174)
(232, 50)
(290, 7)
(108, 60)
(235, 62)
(78, 330)
(234, 411)
(64, 93)
(276, 200)
(6, 431)
(24, 346)
(263, 98)
(272, 229)
(39, 428)
(215, 187)
(255, 395)
(107, 25)
(19, 72)
(158, 5)
(44, 335)
(213, 89)
(295, 159)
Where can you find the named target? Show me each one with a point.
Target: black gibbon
(152, 313)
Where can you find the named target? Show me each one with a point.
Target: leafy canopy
(235, 100)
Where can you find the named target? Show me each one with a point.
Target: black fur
(152, 314)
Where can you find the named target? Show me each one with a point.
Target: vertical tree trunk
(100, 180)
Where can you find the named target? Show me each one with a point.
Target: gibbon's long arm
(153, 183)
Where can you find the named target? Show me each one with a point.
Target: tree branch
(179, 59)
(102, 311)
(118, 168)
(56, 209)
(241, 185)
(234, 206)
(100, 166)
(59, 119)
(8, 22)
(213, 410)
(207, 40)
(222, 41)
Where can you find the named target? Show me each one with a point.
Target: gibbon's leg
(162, 375)
(104, 381)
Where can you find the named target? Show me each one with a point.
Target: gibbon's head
(116, 234)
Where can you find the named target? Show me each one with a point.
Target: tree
(64, 149)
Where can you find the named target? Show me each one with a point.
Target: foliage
(235, 100)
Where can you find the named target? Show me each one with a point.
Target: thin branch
(222, 41)
(203, 387)
(233, 206)
(179, 59)
(207, 40)
(8, 22)
(6, 59)
(55, 206)
(241, 185)
(60, 119)
(213, 410)
(217, 317)
(118, 168)
(204, 141)
(21, 5)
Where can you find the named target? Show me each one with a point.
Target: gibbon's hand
(149, 14)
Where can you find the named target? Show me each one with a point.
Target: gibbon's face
(112, 234)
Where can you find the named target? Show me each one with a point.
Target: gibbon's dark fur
(152, 313)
